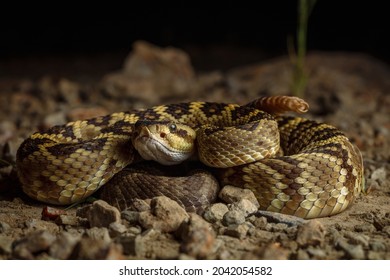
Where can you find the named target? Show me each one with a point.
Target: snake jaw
(152, 144)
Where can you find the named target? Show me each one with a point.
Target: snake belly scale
(293, 165)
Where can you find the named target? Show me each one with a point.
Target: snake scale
(293, 165)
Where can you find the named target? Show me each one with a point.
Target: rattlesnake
(293, 165)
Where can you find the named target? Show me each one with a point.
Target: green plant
(300, 76)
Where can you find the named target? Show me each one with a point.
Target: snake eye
(172, 127)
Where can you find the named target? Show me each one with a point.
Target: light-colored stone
(165, 215)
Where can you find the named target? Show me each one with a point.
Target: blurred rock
(32, 244)
(310, 233)
(62, 247)
(151, 73)
(86, 113)
(198, 237)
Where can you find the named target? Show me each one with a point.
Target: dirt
(350, 91)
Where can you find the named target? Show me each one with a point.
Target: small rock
(215, 212)
(5, 245)
(100, 233)
(230, 194)
(310, 233)
(377, 245)
(100, 214)
(233, 217)
(166, 215)
(95, 249)
(374, 256)
(260, 222)
(54, 119)
(63, 246)
(357, 238)
(197, 235)
(36, 225)
(69, 91)
(379, 175)
(116, 229)
(135, 230)
(316, 253)
(131, 216)
(238, 231)
(302, 255)
(385, 229)
(276, 227)
(245, 206)
(152, 244)
(128, 244)
(36, 242)
(274, 251)
(4, 227)
(366, 227)
(68, 220)
(355, 252)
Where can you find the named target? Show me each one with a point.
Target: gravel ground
(350, 91)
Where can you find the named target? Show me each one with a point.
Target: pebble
(165, 215)
(98, 233)
(238, 231)
(366, 227)
(69, 91)
(95, 249)
(215, 212)
(198, 236)
(355, 252)
(259, 222)
(5, 245)
(377, 245)
(245, 206)
(67, 220)
(152, 244)
(317, 253)
(35, 224)
(33, 243)
(274, 251)
(4, 227)
(54, 119)
(100, 214)
(128, 244)
(63, 246)
(379, 175)
(116, 229)
(385, 229)
(356, 238)
(310, 233)
(131, 216)
(233, 217)
(231, 194)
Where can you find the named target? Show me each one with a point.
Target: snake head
(166, 142)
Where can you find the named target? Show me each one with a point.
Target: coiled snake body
(293, 165)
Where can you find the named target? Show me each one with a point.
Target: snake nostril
(162, 135)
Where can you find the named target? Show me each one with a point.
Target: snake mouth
(151, 148)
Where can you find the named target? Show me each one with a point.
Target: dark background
(231, 34)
